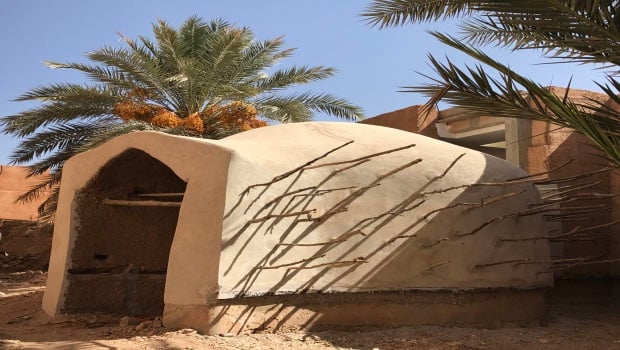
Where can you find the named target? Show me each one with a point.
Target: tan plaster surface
(191, 274)
(403, 264)
(366, 225)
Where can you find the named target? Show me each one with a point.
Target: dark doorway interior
(120, 256)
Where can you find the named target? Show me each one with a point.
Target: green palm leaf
(182, 70)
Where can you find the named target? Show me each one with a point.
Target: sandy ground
(586, 322)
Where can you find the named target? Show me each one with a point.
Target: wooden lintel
(140, 203)
(176, 194)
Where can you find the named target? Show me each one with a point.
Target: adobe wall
(358, 201)
(549, 147)
(412, 119)
(137, 283)
(388, 233)
(615, 216)
(13, 183)
(383, 240)
(122, 252)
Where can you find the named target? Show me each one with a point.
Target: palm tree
(565, 30)
(204, 79)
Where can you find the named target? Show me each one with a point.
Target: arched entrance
(126, 218)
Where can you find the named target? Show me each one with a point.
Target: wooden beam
(141, 203)
(176, 194)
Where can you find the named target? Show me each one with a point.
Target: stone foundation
(493, 308)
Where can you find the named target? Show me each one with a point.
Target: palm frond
(182, 70)
(27, 122)
(47, 209)
(298, 107)
(61, 136)
(100, 74)
(112, 131)
(256, 58)
(580, 31)
(390, 13)
(49, 182)
(514, 96)
(294, 75)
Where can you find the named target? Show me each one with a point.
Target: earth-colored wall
(362, 204)
(13, 183)
(615, 216)
(550, 147)
(306, 209)
(412, 119)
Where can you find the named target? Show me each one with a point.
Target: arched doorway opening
(126, 218)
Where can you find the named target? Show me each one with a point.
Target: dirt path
(25, 247)
(24, 326)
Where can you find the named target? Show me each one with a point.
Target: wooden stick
(318, 192)
(491, 200)
(442, 175)
(452, 164)
(482, 202)
(573, 231)
(553, 218)
(578, 196)
(573, 216)
(490, 184)
(561, 261)
(360, 158)
(434, 243)
(273, 216)
(292, 193)
(291, 172)
(290, 264)
(341, 263)
(374, 183)
(325, 215)
(540, 209)
(400, 168)
(607, 261)
(551, 194)
(478, 266)
(179, 194)
(430, 267)
(391, 240)
(578, 239)
(612, 223)
(345, 236)
(577, 177)
(395, 212)
(125, 203)
(544, 172)
(484, 224)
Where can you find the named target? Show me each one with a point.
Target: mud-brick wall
(551, 148)
(615, 216)
(13, 183)
(411, 119)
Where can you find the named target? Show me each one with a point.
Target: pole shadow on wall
(419, 236)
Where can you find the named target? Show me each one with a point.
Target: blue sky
(372, 64)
